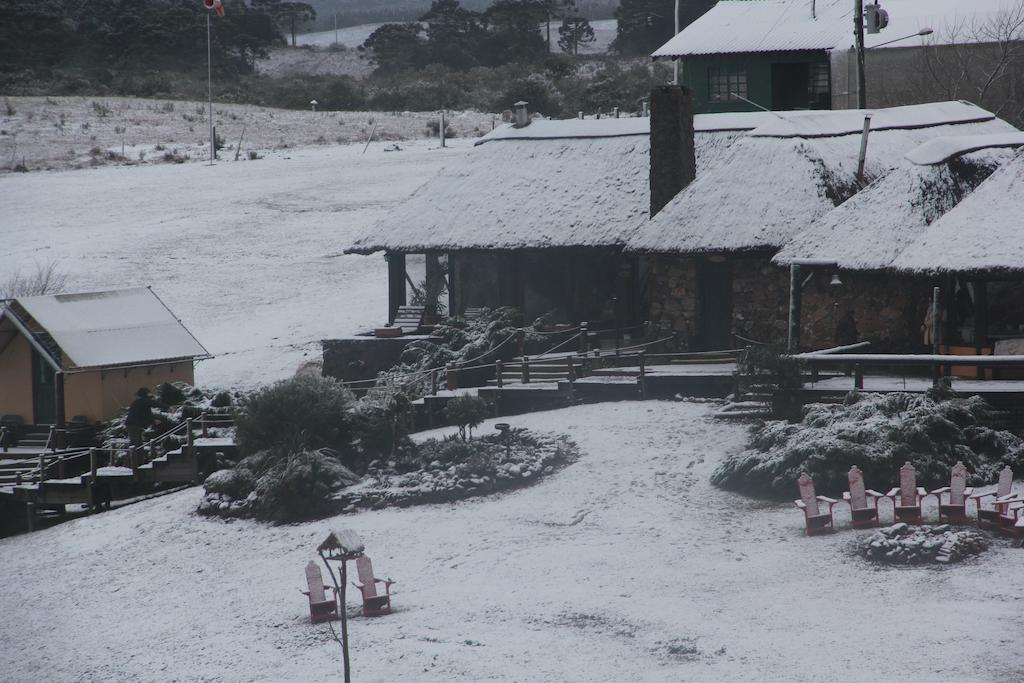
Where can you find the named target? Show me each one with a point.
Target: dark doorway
(791, 86)
(714, 294)
(44, 403)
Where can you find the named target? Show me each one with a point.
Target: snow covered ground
(626, 565)
(248, 254)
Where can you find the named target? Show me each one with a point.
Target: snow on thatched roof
(120, 327)
(737, 26)
(571, 183)
(983, 233)
(940, 150)
(783, 176)
(868, 231)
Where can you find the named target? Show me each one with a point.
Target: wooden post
(206, 427)
(190, 449)
(396, 284)
(42, 468)
(643, 371)
(980, 320)
(62, 470)
(526, 370)
(521, 341)
(571, 369)
(451, 381)
(93, 467)
(499, 368)
(795, 295)
(937, 369)
(433, 382)
(30, 511)
(858, 376)
(583, 338)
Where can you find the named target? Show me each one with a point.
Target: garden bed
(903, 544)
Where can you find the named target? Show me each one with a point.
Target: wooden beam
(396, 284)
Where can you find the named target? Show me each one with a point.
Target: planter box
(387, 332)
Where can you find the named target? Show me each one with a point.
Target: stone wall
(887, 310)
(362, 358)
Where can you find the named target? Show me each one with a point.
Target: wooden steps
(409, 319)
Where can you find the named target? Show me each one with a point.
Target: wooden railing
(940, 364)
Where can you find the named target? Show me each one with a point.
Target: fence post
(451, 381)
(92, 463)
(206, 428)
(51, 440)
(42, 468)
(584, 341)
(499, 368)
(858, 376)
(61, 467)
(526, 370)
(570, 361)
(643, 372)
(521, 340)
(433, 382)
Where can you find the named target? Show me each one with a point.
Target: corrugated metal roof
(738, 26)
(120, 327)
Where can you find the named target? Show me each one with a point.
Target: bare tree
(980, 60)
(46, 278)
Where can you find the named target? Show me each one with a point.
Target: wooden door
(44, 403)
(714, 292)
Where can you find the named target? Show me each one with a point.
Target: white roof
(868, 231)
(120, 327)
(941, 150)
(780, 25)
(983, 233)
(570, 183)
(777, 180)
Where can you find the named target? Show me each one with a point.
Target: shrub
(467, 412)
(300, 487)
(170, 394)
(303, 413)
(381, 426)
(878, 433)
(236, 483)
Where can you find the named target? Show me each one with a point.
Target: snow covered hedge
(904, 544)
(878, 433)
(308, 485)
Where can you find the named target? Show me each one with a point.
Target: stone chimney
(522, 116)
(673, 159)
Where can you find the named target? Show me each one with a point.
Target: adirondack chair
(373, 604)
(955, 508)
(863, 502)
(1012, 516)
(989, 517)
(321, 608)
(818, 522)
(906, 497)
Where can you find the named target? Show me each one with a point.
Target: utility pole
(675, 62)
(858, 34)
(209, 89)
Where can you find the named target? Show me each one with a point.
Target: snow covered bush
(904, 544)
(467, 412)
(878, 433)
(452, 469)
(302, 413)
(278, 486)
(381, 425)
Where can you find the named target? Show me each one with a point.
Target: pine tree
(574, 32)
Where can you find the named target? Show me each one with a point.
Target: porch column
(60, 417)
(396, 283)
(981, 320)
(453, 284)
(435, 277)
(795, 302)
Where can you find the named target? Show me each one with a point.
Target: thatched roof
(783, 176)
(572, 183)
(982, 234)
(870, 230)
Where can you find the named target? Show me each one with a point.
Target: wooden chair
(409, 319)
(818, 522)
(907, 496)
(955, 508)
(863, 502)
(321, 608)
(374, 605)
(1012, 515)
(989, 517)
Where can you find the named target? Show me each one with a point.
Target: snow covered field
(625, 566)
(248, 254)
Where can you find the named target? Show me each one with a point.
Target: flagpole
(209, 87)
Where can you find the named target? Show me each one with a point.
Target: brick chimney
(673, 159)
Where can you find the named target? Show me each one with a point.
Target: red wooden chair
(818, 522)
(989, 517)
(907, 496)
(321, 608)
(373, 604)
(863, 502)
(955, 508)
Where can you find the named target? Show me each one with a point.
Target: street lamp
(879, 19)
(922, 32)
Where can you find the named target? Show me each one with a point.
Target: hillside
(625, 566)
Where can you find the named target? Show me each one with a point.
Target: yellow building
(68, 356)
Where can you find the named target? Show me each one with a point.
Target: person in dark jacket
(140, 416)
